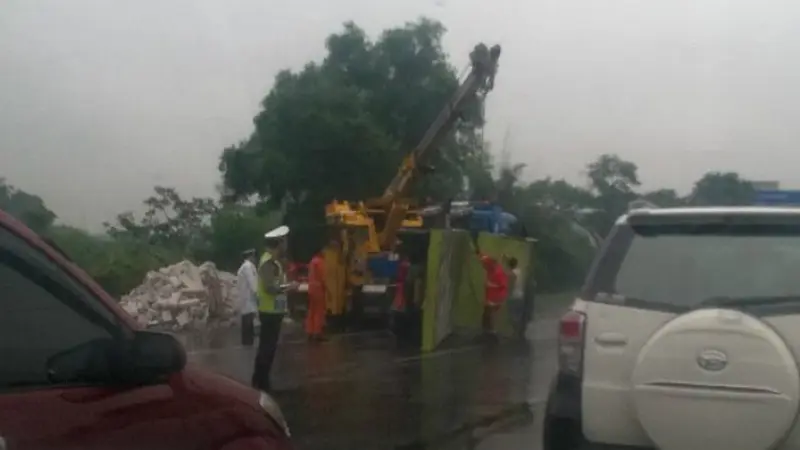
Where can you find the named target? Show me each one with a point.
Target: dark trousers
(248, 329)
(527, 311)
(516, 314)
(267, 346)
(355, 315)
(489, 318)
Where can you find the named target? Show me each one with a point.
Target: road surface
(529, 435)
(363, 391)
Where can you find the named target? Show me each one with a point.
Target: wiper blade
(746, 301)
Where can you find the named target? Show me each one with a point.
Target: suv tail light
(571, 332)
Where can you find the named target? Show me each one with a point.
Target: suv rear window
(686, 265)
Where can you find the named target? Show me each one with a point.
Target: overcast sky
(100, 99)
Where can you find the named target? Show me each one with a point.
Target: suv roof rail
(641, 203)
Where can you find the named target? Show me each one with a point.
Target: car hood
(219, 386)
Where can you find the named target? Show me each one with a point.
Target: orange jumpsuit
(399, 302)
(315, 317)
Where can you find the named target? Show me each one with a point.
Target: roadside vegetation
(338, 128)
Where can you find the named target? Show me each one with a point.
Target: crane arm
(480, 79)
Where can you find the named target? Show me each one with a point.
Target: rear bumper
(563, 413)
(564, 399)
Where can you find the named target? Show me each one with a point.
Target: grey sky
(100, 100)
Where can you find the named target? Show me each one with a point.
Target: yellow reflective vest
(266, 300)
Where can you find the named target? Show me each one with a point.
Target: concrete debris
(183, 296)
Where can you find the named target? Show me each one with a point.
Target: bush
(117, 264)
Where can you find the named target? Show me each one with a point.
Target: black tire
(356, 317)
(562, 434)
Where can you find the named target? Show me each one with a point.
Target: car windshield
(690, 266)
(191, 158)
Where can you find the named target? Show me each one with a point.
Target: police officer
(271, 292)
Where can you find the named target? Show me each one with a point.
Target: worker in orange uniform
(496, 293)
(315, 316)
(399, 303)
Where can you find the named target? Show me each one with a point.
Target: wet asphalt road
(529, 435)
(363, 391)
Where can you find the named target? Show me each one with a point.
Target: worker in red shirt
(496, 292)
(399, 302)
(315, 316)
(400, 311)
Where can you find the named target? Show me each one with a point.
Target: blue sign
(777, 197)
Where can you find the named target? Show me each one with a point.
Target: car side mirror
(152, 355)
(146, 358)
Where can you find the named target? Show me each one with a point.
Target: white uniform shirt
(518, 291)
(281, 300)
(246, 285)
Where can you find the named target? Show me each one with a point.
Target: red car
(76, 372)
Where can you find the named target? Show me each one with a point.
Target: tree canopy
(566, 219)
(26, 207)
(340, 127)
(724, 189)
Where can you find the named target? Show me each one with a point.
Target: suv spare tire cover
(716, 378)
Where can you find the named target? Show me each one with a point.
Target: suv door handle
(611, 340)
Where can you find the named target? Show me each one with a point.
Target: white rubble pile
(183, 296)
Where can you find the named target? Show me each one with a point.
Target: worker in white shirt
(247, 284)
(517, 307)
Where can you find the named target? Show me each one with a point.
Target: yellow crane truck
(365, 232)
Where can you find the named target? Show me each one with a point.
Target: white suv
(686, 336)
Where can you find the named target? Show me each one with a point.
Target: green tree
(664, 198)
(609, 174)
(507, 189)
(722, 189)
(613, 182)
(119, 264)
(339, 128)
(233, 229)
(478, 176)
(28, 208)
(169, 221)
(560, 195)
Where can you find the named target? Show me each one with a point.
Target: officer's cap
(277, 233)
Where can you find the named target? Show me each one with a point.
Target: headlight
(274, 411)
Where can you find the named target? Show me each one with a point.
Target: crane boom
(480, 78)
(392, 202)
(362, 230)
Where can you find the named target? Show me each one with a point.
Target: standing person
(315, 316)
(516, 298)
(247, 284)
(271, 286)
(399, 310)
(496, 293)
